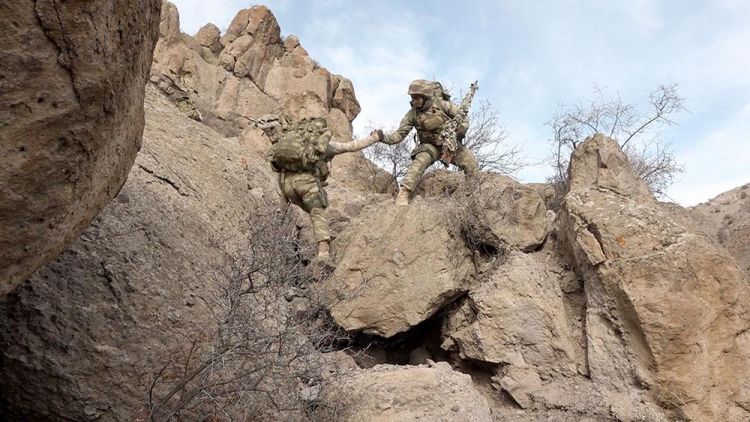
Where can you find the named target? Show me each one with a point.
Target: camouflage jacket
(427, 120)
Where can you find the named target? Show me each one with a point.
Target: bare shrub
(487, 139)
(261, 345)
(637, 132)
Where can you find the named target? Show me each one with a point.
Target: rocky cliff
(190, 296)
(71, 119)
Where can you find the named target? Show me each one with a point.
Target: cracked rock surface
(118, 298)
(71, 119)
(667, 307)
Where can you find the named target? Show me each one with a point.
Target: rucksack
(302, 146)
(440, 92)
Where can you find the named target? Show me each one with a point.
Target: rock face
(71, 109)
(727, 219)
(666, 308)
(395, 393)
(250, 73)
(253, 72)
(494, 210)
(501, 212)
(516, 317)
(601, 163)
(397, 266)
(122, 295)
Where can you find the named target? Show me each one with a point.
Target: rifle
(448, 131)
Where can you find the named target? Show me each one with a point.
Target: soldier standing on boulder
(300, 154)
(430, 109)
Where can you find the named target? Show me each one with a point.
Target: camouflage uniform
(428, 119)
(305, 189)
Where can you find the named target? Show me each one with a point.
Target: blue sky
(531, 56)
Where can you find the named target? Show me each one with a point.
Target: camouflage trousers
(302, 190)
(423, 159)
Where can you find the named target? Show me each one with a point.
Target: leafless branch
(638, 133)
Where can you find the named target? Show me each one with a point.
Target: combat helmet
(422, 87)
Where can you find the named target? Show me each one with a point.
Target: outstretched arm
(356, 145)
(407, 124)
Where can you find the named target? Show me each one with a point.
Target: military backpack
(302, 147)
(440, 92)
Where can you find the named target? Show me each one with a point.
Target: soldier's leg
(416, 170)
(467, 161)
(319, 217)
(288, 190)
(315, 202)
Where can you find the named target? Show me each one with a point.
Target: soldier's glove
(379, 134)
(460, 136)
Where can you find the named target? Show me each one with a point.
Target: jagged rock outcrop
(396, 267)
(254, 74)
(137, 281)
(397, 393)
(516, 317)
(72, 118)
(727, 219)
(667, 309)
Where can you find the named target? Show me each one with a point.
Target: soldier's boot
(403, 196)
(324, 250)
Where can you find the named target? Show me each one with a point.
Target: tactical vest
(429, 121)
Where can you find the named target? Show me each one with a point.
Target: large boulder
(396, 267)
(666, 308)
(209, 36)
(501, 212)
(138, 282)
(72, 118)
(343, 97)
(495, 210)
(405, 393)
(516, 317)
(601, 163)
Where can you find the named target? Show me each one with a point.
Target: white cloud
(381, 54)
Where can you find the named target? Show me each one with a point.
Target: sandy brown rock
(122, 296)
(397, 266)
(501, 212)
(405, 393)
(600, 162)
(494, 210)
(252, 43)
(72, 119)
(666, 308)
(344, 98)
(515, 317)
(209, 36)
(727, 219)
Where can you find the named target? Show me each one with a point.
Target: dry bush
(637, 132)
(262, 343)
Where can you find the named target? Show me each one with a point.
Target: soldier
(300, 154)
(429, 111)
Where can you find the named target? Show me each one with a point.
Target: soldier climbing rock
(430, 110)
(300, 155)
